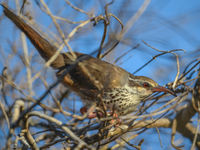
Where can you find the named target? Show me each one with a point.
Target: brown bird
(94, 80)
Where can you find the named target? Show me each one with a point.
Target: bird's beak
(163, 89)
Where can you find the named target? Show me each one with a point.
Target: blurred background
(152, 27)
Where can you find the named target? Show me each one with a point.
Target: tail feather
(45, 49)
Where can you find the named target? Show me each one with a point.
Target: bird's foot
(91, 113)
(116, 120)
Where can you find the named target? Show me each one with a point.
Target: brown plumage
(91, 78)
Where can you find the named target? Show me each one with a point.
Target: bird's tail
(45, 49)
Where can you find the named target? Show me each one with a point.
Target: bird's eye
(145, 84)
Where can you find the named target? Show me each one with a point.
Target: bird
(94, 80)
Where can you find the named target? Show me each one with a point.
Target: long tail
(45, 49)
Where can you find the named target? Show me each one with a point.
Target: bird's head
(145, 86)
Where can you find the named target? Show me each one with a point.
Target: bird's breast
(120, 100)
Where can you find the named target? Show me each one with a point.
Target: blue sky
(165, 25)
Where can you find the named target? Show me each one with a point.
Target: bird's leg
(92, 112)
(116, 120)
